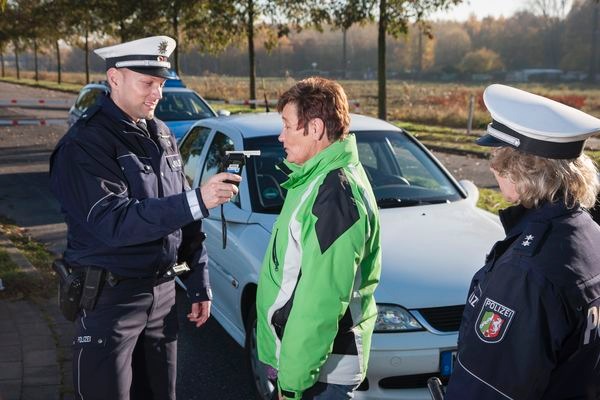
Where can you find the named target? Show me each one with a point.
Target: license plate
(447, 359)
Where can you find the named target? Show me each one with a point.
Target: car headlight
(392, 318)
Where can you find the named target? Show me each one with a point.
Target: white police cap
(148, 56)
(534, 124)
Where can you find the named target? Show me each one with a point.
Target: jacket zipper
(274, 252)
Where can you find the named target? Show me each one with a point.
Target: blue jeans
(329, 391)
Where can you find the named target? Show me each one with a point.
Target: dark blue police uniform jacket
(125, 197)
(530, 328)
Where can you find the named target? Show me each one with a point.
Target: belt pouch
(91, 287)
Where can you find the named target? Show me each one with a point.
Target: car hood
(429, 253)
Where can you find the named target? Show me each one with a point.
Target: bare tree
(594, 43)
(393, 18)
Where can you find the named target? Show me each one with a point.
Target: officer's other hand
(200, 313)
(216, 191)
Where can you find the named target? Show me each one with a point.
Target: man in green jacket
(315, 305)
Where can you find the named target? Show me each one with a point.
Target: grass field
(438, 104)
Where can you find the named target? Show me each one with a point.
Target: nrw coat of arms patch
(493, 321)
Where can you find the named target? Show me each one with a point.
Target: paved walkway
(35, 340)
(35, 355)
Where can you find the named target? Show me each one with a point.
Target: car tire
(264, 388)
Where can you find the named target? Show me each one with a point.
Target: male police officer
(118, 176)
(530, 325)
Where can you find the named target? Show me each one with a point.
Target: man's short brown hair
(317, 97)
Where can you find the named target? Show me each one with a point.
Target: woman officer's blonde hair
(537, 179)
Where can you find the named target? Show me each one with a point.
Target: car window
(191, 149)
(87, 98)
(400, 172)
(264, 179)
(404, 174)
(215, 156)
(182, 106)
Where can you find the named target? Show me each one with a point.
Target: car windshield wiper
(392, 202)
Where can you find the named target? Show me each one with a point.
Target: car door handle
(227, 275)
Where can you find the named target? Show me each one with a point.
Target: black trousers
(126, 348)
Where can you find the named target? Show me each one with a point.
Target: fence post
(471, 109)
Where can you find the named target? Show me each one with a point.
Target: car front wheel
(264, 387)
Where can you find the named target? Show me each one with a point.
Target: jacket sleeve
(515, 359)
(197, 281)
(332, 240)
(92, 190)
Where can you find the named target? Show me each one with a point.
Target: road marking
(35, 102)
(33, 122)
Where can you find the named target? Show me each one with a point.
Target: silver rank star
(527, 240)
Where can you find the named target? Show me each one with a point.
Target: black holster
(70, 287)
(77, 290)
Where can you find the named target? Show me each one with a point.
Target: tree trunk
(58, 66)
(594, 50)
(87, 58)
(176, 34)
(17, 61)
(381, 79)
(35, 60)
(420, 54)
(251, 55)
(2, 63)
(122, 33)
(344, 54)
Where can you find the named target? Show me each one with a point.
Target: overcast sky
(482, 8)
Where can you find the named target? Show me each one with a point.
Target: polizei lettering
(592, 327)
(498, 308)
(84, 339)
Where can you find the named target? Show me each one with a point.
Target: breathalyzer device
(233, 162)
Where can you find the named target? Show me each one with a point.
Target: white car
(434, 238)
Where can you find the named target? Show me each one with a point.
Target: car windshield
(400, 172)
(182, 106)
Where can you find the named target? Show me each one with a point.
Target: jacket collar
(515, 219)
(116, 114)
(336, 155)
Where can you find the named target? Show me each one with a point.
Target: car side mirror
(471, 189)
(223, 113)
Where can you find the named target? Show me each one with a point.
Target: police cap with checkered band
(534, 124)
(148, 56)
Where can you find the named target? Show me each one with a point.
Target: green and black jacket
(315, 305)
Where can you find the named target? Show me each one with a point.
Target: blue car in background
(179, 108)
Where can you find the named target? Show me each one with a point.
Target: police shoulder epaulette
(532, 238)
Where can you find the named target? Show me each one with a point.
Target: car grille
(409, 381)
(443, 319)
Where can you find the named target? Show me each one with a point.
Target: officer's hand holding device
(218, 189)
(233, 164)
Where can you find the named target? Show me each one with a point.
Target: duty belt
(113, 279)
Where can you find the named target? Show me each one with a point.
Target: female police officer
(530, 326)
(118, 176)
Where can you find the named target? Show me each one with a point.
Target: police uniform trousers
(126, 347)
